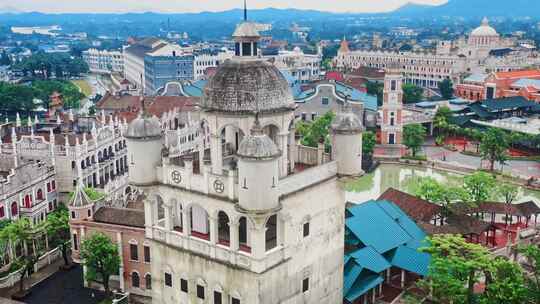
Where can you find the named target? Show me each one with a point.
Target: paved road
(523, 168)
(64, 288)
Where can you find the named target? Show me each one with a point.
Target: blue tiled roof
(194, 89)
(410, 259)
(373, 227)
(370, 259)
(527, 82)
(362, 286)
(476, 78)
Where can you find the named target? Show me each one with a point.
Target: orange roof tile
(518, 74)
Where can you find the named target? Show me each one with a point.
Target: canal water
(403, 177)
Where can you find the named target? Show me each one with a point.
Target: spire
(245, 10)
(141, 97)
(18, 120)
(485, 21)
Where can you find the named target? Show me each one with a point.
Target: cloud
(177, 6)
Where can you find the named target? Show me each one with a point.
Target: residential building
(302, 67)
(207, 59)
(134, 59)
(104, 61)
(169, 63)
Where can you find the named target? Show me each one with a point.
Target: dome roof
(247, 86)
(346, 122)
(144, 127)
(484, 30)
(258, 145)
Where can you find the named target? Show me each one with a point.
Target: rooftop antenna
(245, 10)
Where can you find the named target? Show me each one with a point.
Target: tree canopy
(369, 141)
(100, 255)
(412, 93)
(493, 146)
(316, 131)
(44, 65)
(447, 88)
(414, 136)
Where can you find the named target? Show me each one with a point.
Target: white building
(104, 61)
(28, 188)
(302, 67)
(483, 51)
(239, 221)
(134, 58)
(92, 153)
(209, 59)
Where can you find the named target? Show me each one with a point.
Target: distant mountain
(474, 9)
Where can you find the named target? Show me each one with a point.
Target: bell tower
(392, 108)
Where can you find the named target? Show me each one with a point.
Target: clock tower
(392, 108)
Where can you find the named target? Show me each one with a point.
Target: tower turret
(347, 142)
(392, 107)
(258, 171)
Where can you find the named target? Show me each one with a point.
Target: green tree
(369, 141)
(316, 131)
(414, 136)
(505, 283)
(100, 256)
(493, 146)
(431, 190)
(376, 89)
(412, 93)
(480, 186)
(441, 121)
(456, 266)
(4, 58)
(509, 193)
(532, 280)
(19, 234)
(57, 226)
(447, 88)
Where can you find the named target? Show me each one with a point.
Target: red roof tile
(418, 209)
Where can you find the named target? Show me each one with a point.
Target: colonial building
(483, 51)
(253, 218)
(104, 61)
(302, 67)
(525, 83)
(28, 188)
(83, 150)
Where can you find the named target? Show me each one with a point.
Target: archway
(199, 222)
(271, 233)
(243, 237)
(223, 229)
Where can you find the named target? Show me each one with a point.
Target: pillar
(186, 224)
(284, 160)
(402, 278)
(213, 229)
(234, 234)
(120, 254)
(216, 154)
(168, 217)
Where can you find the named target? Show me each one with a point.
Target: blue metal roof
(410, 259)
(476, 78)
(351, 272)
(370, 259)
(362, 286)
(527, 82)
(194, 89)
(373, 227)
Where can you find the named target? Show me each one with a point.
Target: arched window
(14, 209)
(223, 229)
(53, 184)
(40, 194)
(243, 235)
(179, 220)
(2, 212)
(148, 281)
(271, 232)
(27, 201)
(160, 212)
(135, 280)
(199, 222)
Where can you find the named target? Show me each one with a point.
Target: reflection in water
(402, 177)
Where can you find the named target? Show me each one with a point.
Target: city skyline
(123, 6)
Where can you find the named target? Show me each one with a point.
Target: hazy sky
(59, 6)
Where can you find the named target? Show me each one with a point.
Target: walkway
(515, 167)
(64, 287)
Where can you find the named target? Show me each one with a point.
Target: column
(168, 217)
(292, 151)
(284, 164)
(186, 224)
(148, 218)
(213, 229)
(402, 278)
(120, 254)
(216, 154)
(234, 234)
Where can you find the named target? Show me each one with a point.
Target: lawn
(85, 87)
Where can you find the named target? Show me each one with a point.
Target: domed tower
(347, 142)
(258, 171)
(144, 140)
(80, 206)
(484, 35)
(242, 86)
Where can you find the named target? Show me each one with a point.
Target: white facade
(206, 60)
(104, 61)
(302, 67)
(452, 59)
